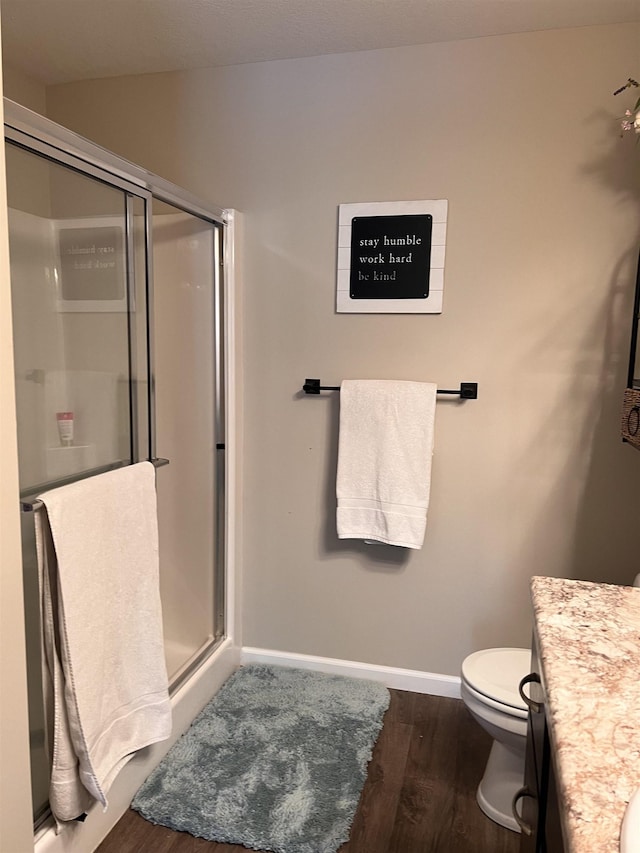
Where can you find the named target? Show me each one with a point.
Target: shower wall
(16, 833)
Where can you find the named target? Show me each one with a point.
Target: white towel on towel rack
(384, 460)
(106, 688)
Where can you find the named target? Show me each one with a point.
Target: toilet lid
(496, 673)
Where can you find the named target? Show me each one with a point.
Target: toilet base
(503, 777)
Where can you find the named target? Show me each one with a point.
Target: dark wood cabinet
(537, 802)
(631, 404)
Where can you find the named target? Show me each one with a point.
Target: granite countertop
(588, 637)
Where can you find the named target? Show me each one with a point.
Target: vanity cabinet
(535, 805)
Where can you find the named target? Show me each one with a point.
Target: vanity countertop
(588, 637)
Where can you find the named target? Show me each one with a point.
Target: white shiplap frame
(433, 303)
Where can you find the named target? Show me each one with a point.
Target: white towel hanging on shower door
(106, 688)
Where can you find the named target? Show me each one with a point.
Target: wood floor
(419, 796)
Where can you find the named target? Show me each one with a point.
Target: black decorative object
(630, 427)
(390, 256)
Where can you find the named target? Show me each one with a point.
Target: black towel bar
(466, 391)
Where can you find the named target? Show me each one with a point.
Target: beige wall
(519, 134)
(15, 790)
(24, 90)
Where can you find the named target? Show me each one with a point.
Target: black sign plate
(390, 256)
(92, 263)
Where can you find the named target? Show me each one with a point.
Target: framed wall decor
(91, 264)
(391, 257)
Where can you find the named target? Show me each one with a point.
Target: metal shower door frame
(39, 135)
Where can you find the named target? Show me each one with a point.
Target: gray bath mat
(276, 761)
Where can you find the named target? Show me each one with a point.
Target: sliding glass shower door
(188, 429)
(70, 297)
(76, 358)
(116, 299)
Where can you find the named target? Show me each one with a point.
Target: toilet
(489, 688)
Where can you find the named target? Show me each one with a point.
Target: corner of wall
(234, 423)
(15, 787)
(25, 90)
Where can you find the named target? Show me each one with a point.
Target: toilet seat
(496, 674)
(469, 695)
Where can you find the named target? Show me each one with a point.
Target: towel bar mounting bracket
(468, 390)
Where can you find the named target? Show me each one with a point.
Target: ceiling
(58, 41)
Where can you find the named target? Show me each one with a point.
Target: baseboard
(399, 679)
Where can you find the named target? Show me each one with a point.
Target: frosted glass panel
(69, 291)
(183, 265)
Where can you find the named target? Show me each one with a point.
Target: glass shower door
(87, 329)
(72, 250)
(71, 321)
(187, 430)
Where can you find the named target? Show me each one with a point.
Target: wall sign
(391, 257)
(91, 264)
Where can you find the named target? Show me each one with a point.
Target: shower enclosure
(117, 291)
